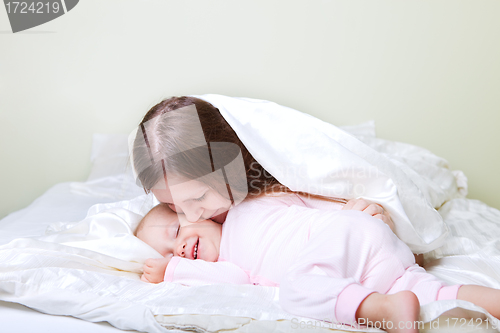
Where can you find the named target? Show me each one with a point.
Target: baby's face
(169, 234)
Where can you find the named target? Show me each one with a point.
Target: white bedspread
(90, 269)
(313, 156)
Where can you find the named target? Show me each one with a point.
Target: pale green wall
(428, 72)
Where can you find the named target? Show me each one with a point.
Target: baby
(344, 265)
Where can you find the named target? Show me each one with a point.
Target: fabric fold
(310, 155)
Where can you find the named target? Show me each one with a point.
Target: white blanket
(91, 269)
(310, 155)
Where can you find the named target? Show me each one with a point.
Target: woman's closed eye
(201, 198)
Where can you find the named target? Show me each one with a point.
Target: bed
(59, 272)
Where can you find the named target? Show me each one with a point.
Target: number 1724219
(14, 7)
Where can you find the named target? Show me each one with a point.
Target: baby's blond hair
(162, 207)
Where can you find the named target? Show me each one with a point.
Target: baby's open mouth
(196, 249)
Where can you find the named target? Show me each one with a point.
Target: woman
(188, 155)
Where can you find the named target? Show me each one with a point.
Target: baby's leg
(398, 312)
(487, 298)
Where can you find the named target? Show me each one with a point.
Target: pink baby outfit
(325, 261)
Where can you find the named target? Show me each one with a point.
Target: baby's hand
(154, 270)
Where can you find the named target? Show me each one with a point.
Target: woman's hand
(375, 210)
(154, 270)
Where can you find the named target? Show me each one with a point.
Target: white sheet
(17, 318)
(99, 279)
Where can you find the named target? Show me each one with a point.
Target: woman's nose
(193, 215)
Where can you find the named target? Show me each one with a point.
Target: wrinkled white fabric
(309, 155)
(109, 232)
(99, 281)
(59, 279)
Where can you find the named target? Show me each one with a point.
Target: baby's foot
(398, 312)
(402, 310)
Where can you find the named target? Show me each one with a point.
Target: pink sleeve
(200, 272)
(349, 301)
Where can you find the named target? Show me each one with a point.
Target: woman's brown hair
(166, 143)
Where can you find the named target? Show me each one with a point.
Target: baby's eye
(201, 198)
(178, 229)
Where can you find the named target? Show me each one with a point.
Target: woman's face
(196, 200)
